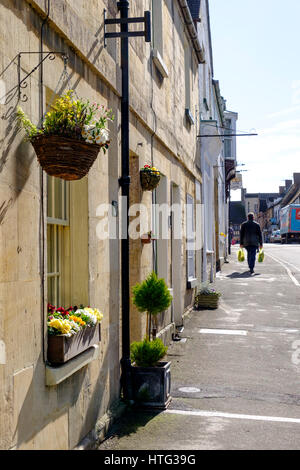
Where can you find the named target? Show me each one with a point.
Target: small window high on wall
(158, 38)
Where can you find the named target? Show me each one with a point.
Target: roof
(263, 195)
(290, 196)
(194, 6)
(263, 205)
(237, 213)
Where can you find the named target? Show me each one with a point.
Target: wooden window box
(63, 348)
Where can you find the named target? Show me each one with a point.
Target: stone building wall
(34, 415)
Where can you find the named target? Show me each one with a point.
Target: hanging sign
(237, 182)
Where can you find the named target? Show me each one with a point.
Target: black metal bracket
(22, 82)
(123, 181)
(146, 20)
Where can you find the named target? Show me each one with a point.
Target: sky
(256, 53)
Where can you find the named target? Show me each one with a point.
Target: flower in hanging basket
(150, 178)
(71, 136)
(147, 237)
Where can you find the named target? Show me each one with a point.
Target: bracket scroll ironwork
(22, 84)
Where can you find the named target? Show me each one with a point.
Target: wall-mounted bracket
(22, 82)
(146, 20)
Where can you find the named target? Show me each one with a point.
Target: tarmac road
(236, 378)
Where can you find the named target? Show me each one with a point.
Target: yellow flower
(63, 326)
(98, 314)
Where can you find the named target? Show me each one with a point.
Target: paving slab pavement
(236, 387)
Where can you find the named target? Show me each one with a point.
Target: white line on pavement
(207, 331)
(218, 414)
(286, 268)
(287, 262)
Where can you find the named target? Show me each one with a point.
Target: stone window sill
(189, 116)
(192, 283)
(159, 63)
(56, 375)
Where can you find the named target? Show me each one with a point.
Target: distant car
(275, 237)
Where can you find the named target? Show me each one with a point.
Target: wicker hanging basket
(65, 158)
(149, 180)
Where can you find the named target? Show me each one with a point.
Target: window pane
(190, 235)
(57, 200)
(50, 248)
(51, 291)
(228, 153)
(58, 214)
(49, 196)
(157, 25)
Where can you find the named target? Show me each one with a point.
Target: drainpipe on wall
(192, 30)
(124, 181)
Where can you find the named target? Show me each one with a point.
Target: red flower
(62, 311)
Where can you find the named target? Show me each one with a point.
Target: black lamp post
(124, 181)
(125, 184)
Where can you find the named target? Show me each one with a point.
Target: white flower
(75, 326)
(89, 313)
(90, 139)
(102, 136)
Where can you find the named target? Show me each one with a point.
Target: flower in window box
(71, 332)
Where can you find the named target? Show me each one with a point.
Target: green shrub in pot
(147, 353)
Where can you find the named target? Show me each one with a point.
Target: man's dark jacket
(250, 234)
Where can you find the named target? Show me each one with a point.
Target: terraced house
(52, 247)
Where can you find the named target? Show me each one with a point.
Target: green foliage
(30, 129)
(147, 353)
(74, 118)
(152, 295)
(206, 290)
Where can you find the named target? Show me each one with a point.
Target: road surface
(236, 374)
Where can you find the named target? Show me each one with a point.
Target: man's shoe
(251, 271)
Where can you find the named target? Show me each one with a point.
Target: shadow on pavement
(239, 275)
(128, 424)
(244, 275)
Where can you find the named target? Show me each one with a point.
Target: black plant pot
(152, 386)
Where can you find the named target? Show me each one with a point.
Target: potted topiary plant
(207, 298)
(151, 378)
(153, 297)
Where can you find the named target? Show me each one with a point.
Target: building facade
(52, 245)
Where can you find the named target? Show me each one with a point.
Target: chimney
(281, 190)
(297, 178)
(288, 183)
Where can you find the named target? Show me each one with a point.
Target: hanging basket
(63, 157)
(149, 180)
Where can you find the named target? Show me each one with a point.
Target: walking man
(251, 239)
